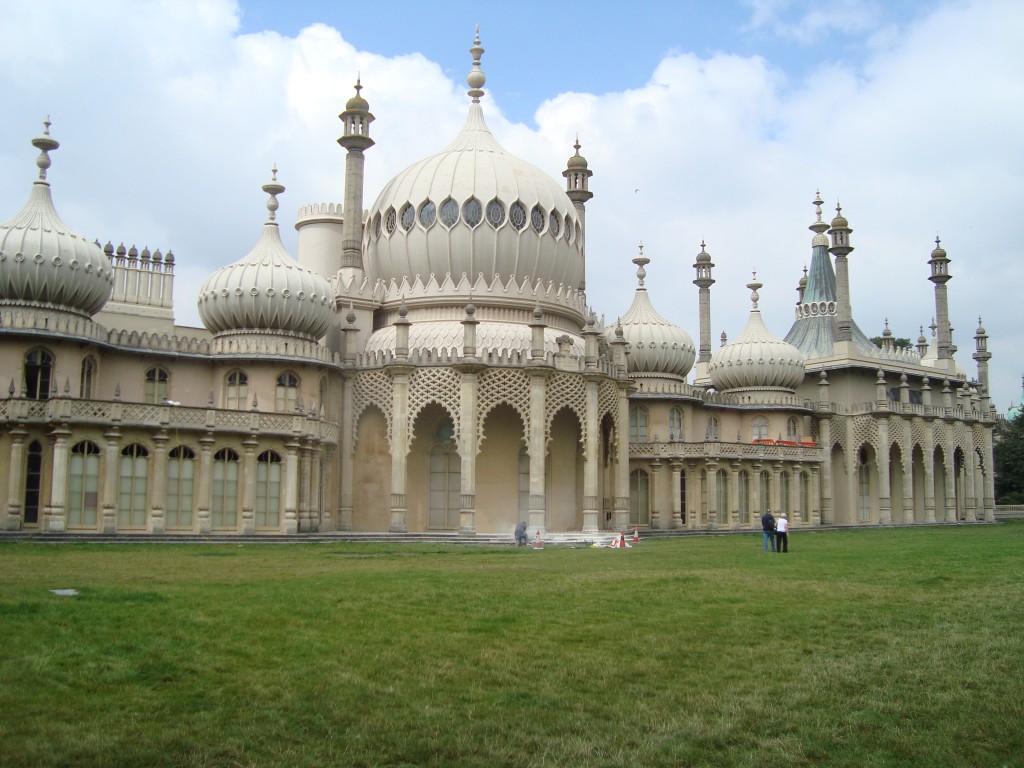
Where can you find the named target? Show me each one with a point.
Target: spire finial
(577, 145)
(476, 78)
(754, 285)
(359, 83)
(641, 261)
(273, 189)
(44, 144)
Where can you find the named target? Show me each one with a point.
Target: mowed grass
(858, 648)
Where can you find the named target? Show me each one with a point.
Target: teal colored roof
(815, 336)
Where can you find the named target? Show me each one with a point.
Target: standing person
(768, 529)
(782, 534)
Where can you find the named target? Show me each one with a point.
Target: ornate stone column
(55, 515)
(305, 519)
(825, 436)
(734, 494)
(592, 458)
(248, 522)
(15, 475)
(399, 446)
(776, 489)
(538, 450)
(110, 467)
(884, 485)
(711, 480)
(655, 492)
(815, 494)
(158, 465)
(929, 474)
(291, 486)
(346, 454)
(622, 464)
(469, 389)
(949, 514)
(692, 500)
(676, 521)
(319, 516)
(204, 483)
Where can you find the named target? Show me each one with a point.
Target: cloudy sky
(701, 120)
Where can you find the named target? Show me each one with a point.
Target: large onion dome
(474, 209)
(655, 344)
(757, 359)
(43, 263)
(267, 291)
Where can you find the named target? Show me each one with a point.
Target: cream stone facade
(433, 365)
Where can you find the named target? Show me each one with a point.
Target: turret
(982, 356)
(356, 140)
(703, 266)
(577, 188)
(841, 248)
(940, 276)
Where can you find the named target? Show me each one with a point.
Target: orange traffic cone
(537, 543)
(636, 535)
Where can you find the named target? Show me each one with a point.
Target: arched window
(639, 498)
(675, 425)
(38, 374)
(712, 430)
(33, 483)
(224, 501)
(236, 390)
(792, 428)
(445, 479)
(156, 386)
(131, 490)
(83, 485)
(180, 482)
(286, 396)
(85, 381)
(637, 424)
(765, 490)
(268, 490)
(759, 428)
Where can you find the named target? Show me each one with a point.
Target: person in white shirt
(782, 534)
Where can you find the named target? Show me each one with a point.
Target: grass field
(858, 648)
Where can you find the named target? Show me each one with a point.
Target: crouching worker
(521, 538)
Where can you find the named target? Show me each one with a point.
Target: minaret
(356, 139)
(841, 248)
(577, 188)
(940, 276)
(704, 281)
(982, 356)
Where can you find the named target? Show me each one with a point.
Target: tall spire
(273, 188)
(939, 263)
(641, 261)
(45, 144)
(476, 78)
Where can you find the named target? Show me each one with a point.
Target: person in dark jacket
(521, 538)
(768, 529)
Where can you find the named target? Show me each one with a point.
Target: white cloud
(170, 120)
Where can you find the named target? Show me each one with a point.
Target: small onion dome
(757, 358)
(577, 161)
(357, 103)
(42, 262)
(267, 291)
(655, 344)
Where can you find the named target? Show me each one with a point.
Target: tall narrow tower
(940, 276)
(577, 188)
(841, 248)
(704, 281)
(982, 356)
(356, 139)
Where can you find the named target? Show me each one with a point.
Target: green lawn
(858, 648)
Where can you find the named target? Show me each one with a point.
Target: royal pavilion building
(432, 365)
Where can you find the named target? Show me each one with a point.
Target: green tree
(899, 343)
(1008, 447)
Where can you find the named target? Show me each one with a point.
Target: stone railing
(765, 451)
(170, 417)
